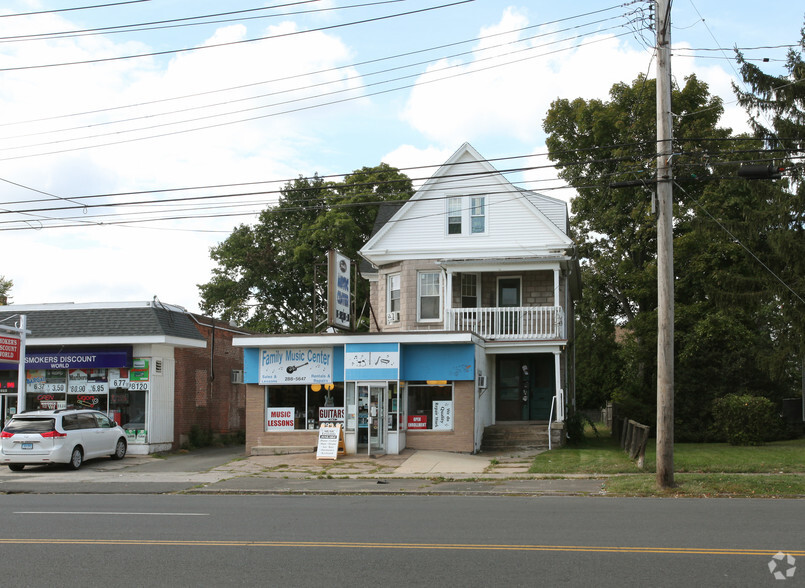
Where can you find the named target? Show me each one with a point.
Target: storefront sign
(9, 349)
(339, 291)
(442, 415)
(372, 361)
(280, 419)
(77, 360)
(417, 421)
(330, 414)
(303, 365)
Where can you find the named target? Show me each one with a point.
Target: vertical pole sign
(12, 349)
(339, 290)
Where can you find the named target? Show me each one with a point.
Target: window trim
(473, 216)
(455, 209)
(477, 293)
(440, 295)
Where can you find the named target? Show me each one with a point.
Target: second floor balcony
(509, 323)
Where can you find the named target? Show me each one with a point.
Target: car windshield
(32, 425)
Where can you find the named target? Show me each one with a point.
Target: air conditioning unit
(393, 317)
(481, 381)
(236, 377)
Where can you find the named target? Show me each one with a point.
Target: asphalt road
(198, 540)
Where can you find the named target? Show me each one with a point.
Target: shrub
(745, 420)
(200, 437)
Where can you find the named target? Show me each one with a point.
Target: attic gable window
(478, 214)
(454, 214)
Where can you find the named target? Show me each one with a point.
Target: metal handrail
(550, 420)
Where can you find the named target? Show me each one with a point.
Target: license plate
(27, 445)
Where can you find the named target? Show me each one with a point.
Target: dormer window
(466, 215)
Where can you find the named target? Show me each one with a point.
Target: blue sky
(340, 86)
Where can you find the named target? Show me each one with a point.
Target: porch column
(448, 298)
(556, 303)
(560, 396)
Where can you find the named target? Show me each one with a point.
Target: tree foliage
(5, 290)
(728, 328)
(264, 277)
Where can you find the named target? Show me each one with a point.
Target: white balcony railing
(514, 323)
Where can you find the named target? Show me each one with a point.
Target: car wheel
(120, 449)
(76, 459)
(16, 467)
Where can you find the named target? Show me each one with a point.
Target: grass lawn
(701, 469)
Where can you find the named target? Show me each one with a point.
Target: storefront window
(293, 408)
(430, 406)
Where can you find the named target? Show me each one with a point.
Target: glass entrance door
(377, 419)
(372, 417)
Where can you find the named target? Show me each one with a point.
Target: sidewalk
(410, 472)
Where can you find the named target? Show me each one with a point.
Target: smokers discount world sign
(9, 349)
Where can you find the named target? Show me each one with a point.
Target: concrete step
(503, 436)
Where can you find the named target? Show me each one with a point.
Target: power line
(74, 8)
(232, 43)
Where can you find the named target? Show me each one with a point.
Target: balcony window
(469, 290)
(429, 296)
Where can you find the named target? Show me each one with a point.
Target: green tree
(5, 289)
(607, 150)
(264, 277)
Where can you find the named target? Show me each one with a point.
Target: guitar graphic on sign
(292, 368)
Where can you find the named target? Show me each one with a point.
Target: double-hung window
(478, 214)
(429, 296)
(393, 299)
(469, 291)
(454, 214)
(466, 215)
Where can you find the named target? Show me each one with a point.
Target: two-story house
(473, 282)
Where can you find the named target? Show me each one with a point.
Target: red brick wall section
(214, 404)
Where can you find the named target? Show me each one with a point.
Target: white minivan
(60, 436)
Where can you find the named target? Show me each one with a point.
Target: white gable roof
(520, 224)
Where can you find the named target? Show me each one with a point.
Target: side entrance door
(524, 387)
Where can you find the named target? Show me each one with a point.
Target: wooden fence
(634, 438)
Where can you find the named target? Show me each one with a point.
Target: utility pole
(665, 253)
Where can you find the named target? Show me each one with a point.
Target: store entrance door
(372, 416)
(8, 407)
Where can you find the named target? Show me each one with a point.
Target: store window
(430, 406)
(429, 299)
(298, 408)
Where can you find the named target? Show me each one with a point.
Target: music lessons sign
(298, 365)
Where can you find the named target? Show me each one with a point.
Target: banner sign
(10, 349)
(280, 419)
(339, 290)
(303, 365)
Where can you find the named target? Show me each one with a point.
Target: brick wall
(256, 435)
(203, 393)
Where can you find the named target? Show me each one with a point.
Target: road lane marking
(95, 512)
(435, 546)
